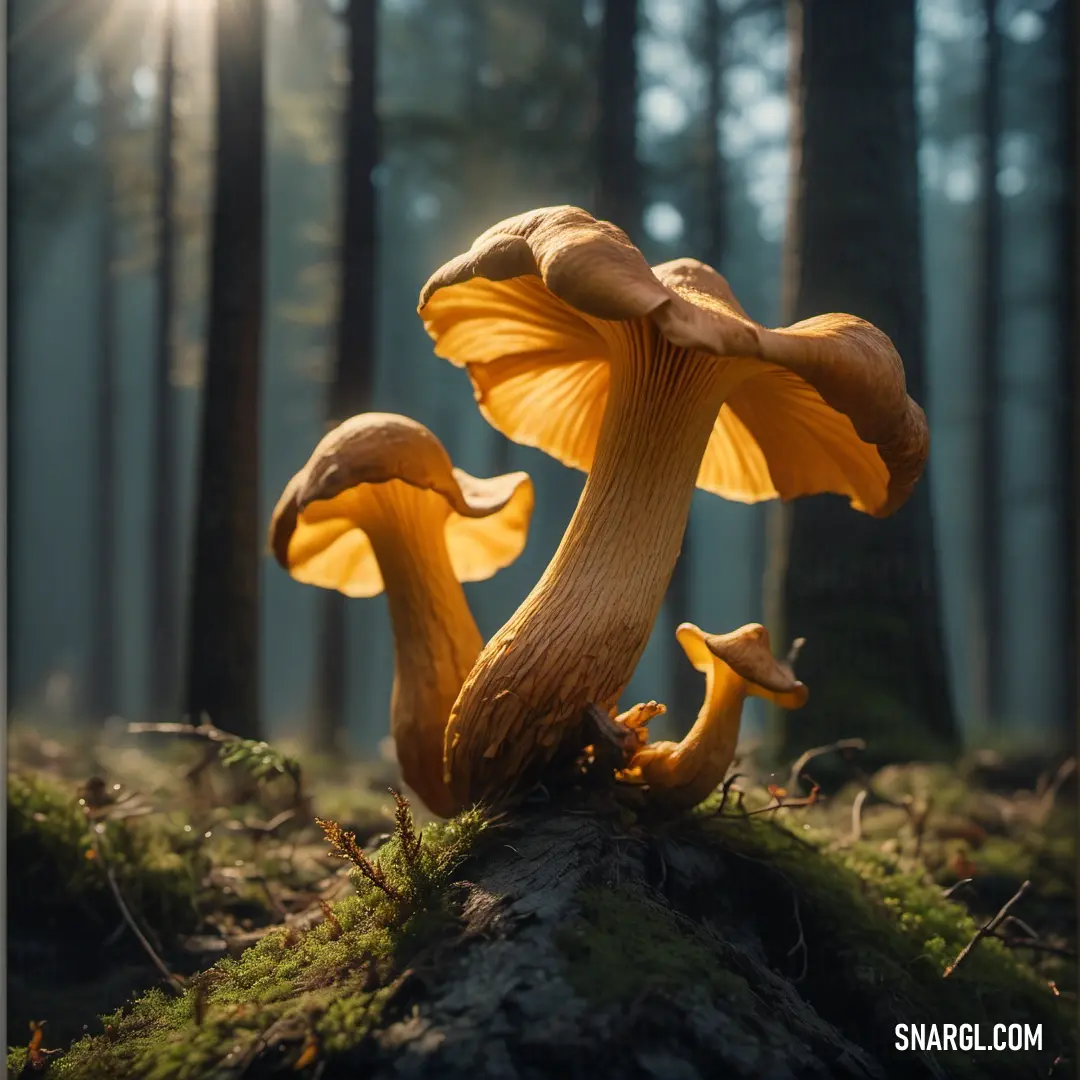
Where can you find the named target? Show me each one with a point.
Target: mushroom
(653, 380)
(379, 504)
(680, 775)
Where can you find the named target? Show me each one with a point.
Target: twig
(1027, 929)
(785, 804)
(1046, 803)
(800, 941)
(988, 929)
(793, 652)
(957, 885)
(170, 978)
(259, 830)
(260, 879)
(856, 814)
(1035, 944)
(919, 817)
(840, 746)
(204, 730)
(726, 791)
(207, 729)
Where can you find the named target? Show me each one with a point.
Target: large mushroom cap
(542, 303)
(317, 531)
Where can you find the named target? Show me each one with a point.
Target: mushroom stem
(578, 636)
(681, 775)
(436, 640)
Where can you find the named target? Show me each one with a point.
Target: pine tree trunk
(987, 632)
(223, 658)
(863, 592)
(1065, 27)
(102, 683)
(354, 373)
(164, 644)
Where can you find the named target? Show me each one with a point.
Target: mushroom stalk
(681, 775)
(436, 640)
(379, 506)
(578, 636)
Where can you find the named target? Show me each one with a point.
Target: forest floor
(175, 910)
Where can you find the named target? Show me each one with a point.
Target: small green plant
(261, 760)
(409, 873)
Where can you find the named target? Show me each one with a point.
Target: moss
(624, 944)
(329, 984)
(18, 1057)
(878, 938)
(51, 849)
(873, 931)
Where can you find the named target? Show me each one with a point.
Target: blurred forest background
(438, 118)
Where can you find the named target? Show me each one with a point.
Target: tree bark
(353, 385)
(1065, 22)
(987, 632)
(863, 592)
(102, 683)
(223, 657)
(510, 968)
(587, 949)
(164, 644)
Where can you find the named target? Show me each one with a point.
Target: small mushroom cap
(748, 654)
(317, 530)
(541, 303)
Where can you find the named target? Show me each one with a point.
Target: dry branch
(987, 930)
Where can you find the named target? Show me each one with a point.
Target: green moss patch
(624, 944)
(773, 928)
(296, 995)
(58, 859)
(872, 939)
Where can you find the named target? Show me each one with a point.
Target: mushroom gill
(653, 380)
(680, 775)
(379, 505)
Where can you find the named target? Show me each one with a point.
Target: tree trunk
(223, 659)
(353, 385)
(1064, 20)
(863, 592)
(164, 644)
(990, 614)
(662, 981)
(102, 683)
(619, 173)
